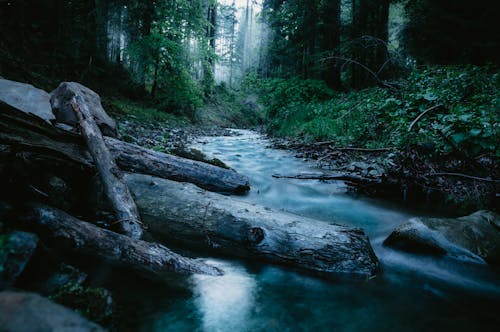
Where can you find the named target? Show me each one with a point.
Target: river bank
(448, 185)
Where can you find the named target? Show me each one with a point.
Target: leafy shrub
(467, 101)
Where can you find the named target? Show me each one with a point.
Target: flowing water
(413, 293)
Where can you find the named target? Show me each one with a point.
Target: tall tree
(459, 31)
(329, 31)
(369, 33)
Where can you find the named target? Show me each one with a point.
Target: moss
(94, 303)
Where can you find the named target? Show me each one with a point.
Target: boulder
(16, 249)
(20, 312)
(474, 237)
(61, 97)
(26, 98)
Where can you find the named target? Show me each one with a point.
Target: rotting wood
(114, 186)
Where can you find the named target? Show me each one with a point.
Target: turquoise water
(413, 293)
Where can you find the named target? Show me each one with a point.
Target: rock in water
(26, 98)
(16, 249)
(25, 312)
(61, 97)
(183, 214)
(474, 237)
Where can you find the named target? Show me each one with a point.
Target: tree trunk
(330, 39)
(115, 187)
(370, 34)
(153, 260)
(184, 215)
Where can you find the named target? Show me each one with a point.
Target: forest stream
(413, 292)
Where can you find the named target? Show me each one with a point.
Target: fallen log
(184, 215)
(21, 133)
(326, 177)
(111, 176)
(134, 158)
(150, 259)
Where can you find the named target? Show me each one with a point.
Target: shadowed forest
(172, 165)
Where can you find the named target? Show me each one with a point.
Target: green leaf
(458, 138)
(429, 96)
(475, 132)
(465, 117)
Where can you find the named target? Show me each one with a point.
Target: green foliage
(181, 95)
(467, 118)
(282, 92)
(121, 107)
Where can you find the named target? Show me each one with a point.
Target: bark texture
(150, 259)
(111, 176)
(34, 139)
(182, 214)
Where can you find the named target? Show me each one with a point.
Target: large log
(29, 134)
(116, 189)
(150, 259)
(182, 214)
(136, 159)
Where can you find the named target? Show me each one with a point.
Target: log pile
(159, 197)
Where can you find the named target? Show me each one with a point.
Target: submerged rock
(20, 311)
(61, 97)
(474, 237)
(26, 98)
(16, 249)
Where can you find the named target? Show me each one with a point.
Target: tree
(456, 32)
(369, 36)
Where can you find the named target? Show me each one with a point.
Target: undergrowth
(123, 108)
(465, 104)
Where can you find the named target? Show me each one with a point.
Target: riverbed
(413, 293)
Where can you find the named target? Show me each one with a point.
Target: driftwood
(326, 177)
(361, 149)
(111, 176)
(182, 214)
(31, 137)
(350, 148)
(150, 259)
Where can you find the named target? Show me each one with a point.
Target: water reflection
(225, 303)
